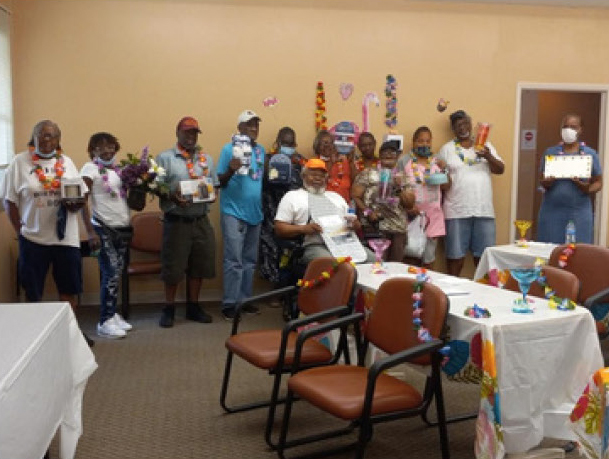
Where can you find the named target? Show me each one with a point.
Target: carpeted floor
(155, 395)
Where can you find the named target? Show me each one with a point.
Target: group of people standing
(265, 199)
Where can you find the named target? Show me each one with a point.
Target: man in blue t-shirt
(240, 170)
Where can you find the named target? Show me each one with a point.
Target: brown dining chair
(564, 284)
(272, 350)
(147, 239)
(589, 263)
(365, 396)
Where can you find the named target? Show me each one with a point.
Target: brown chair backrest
(331, 293)
(147, 232)
(390, 326)
(589, 263)
(564, 284)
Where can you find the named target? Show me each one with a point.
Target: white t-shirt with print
(37, 206)
(471, 191)
(113, 211)
(294, 209)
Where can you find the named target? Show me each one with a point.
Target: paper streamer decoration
(369, 97)
(346, 89)
(391, 115)
(270, 101)
(321, 122)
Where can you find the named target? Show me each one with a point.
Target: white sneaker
(109, 329)
(122, 323)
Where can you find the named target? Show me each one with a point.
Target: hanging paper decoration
(442, 105)
(320, 110)
(369, 97)
(345, 89)
(270, 101)
(391, 115)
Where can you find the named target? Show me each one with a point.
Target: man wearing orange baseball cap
(293, 217)
(188, 237)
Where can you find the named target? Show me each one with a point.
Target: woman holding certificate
(570, 175)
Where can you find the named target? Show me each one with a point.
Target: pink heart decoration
(346, 89)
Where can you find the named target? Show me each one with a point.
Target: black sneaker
(167, 316)
(195, 313)
(250, 309)
(228, 314)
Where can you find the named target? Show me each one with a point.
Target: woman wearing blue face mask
(568, 199)
(108, 228)
(282, 173)
(429, 177)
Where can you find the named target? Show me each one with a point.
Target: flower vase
(136, 199)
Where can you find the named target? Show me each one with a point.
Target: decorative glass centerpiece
(379, 246)
(525, 277)
(522, 226)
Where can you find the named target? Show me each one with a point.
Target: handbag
(417, 239)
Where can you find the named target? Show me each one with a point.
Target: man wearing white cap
(240, 171)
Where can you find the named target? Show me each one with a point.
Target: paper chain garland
(391, 114)
(325, 275)
(321, 122)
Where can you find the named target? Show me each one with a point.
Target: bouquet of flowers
(141, 176)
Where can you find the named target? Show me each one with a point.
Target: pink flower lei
(103, 171)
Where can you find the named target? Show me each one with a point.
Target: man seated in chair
(293, 218)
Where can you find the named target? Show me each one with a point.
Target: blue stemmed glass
(525, 277)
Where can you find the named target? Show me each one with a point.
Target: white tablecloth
(44, 366)
(533, 367)
(512, 256)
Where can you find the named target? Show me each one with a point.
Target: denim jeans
(240, 256)
(111, 262)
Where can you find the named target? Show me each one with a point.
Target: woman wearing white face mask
(568, 199)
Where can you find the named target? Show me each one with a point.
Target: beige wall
(134, 67)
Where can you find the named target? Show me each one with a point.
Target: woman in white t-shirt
(46, 222)
(108, 228)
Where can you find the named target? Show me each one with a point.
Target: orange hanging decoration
(321, 122)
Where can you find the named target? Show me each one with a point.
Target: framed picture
(198, 190)
(72, 189)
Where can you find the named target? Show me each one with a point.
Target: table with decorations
(531, 368)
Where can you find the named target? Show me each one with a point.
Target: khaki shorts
(189, 248)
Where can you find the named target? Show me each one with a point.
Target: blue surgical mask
(287, 150)
(106, 163)
(47, 155)
(422, 151)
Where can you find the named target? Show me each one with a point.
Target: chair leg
(225, 379)
(287, 411)
(440, 408)
(270, 420)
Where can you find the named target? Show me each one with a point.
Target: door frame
(602, 201)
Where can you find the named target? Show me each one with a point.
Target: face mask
(46, 155)
(287, 150)
(422, 151)
(109, 162)
(569, 135)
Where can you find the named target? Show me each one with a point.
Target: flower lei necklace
(555, 302)
(423, 333)
(47, 182)
(325, 275)
(336, 179)
(563, 258)
(201, 160)
(580, 148)
(459, 151)
(103, 171)
(416, 170)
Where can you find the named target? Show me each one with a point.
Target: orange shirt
(339, 178)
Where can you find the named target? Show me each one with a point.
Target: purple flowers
(142, 172)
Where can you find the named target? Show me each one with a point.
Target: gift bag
(415, 246)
